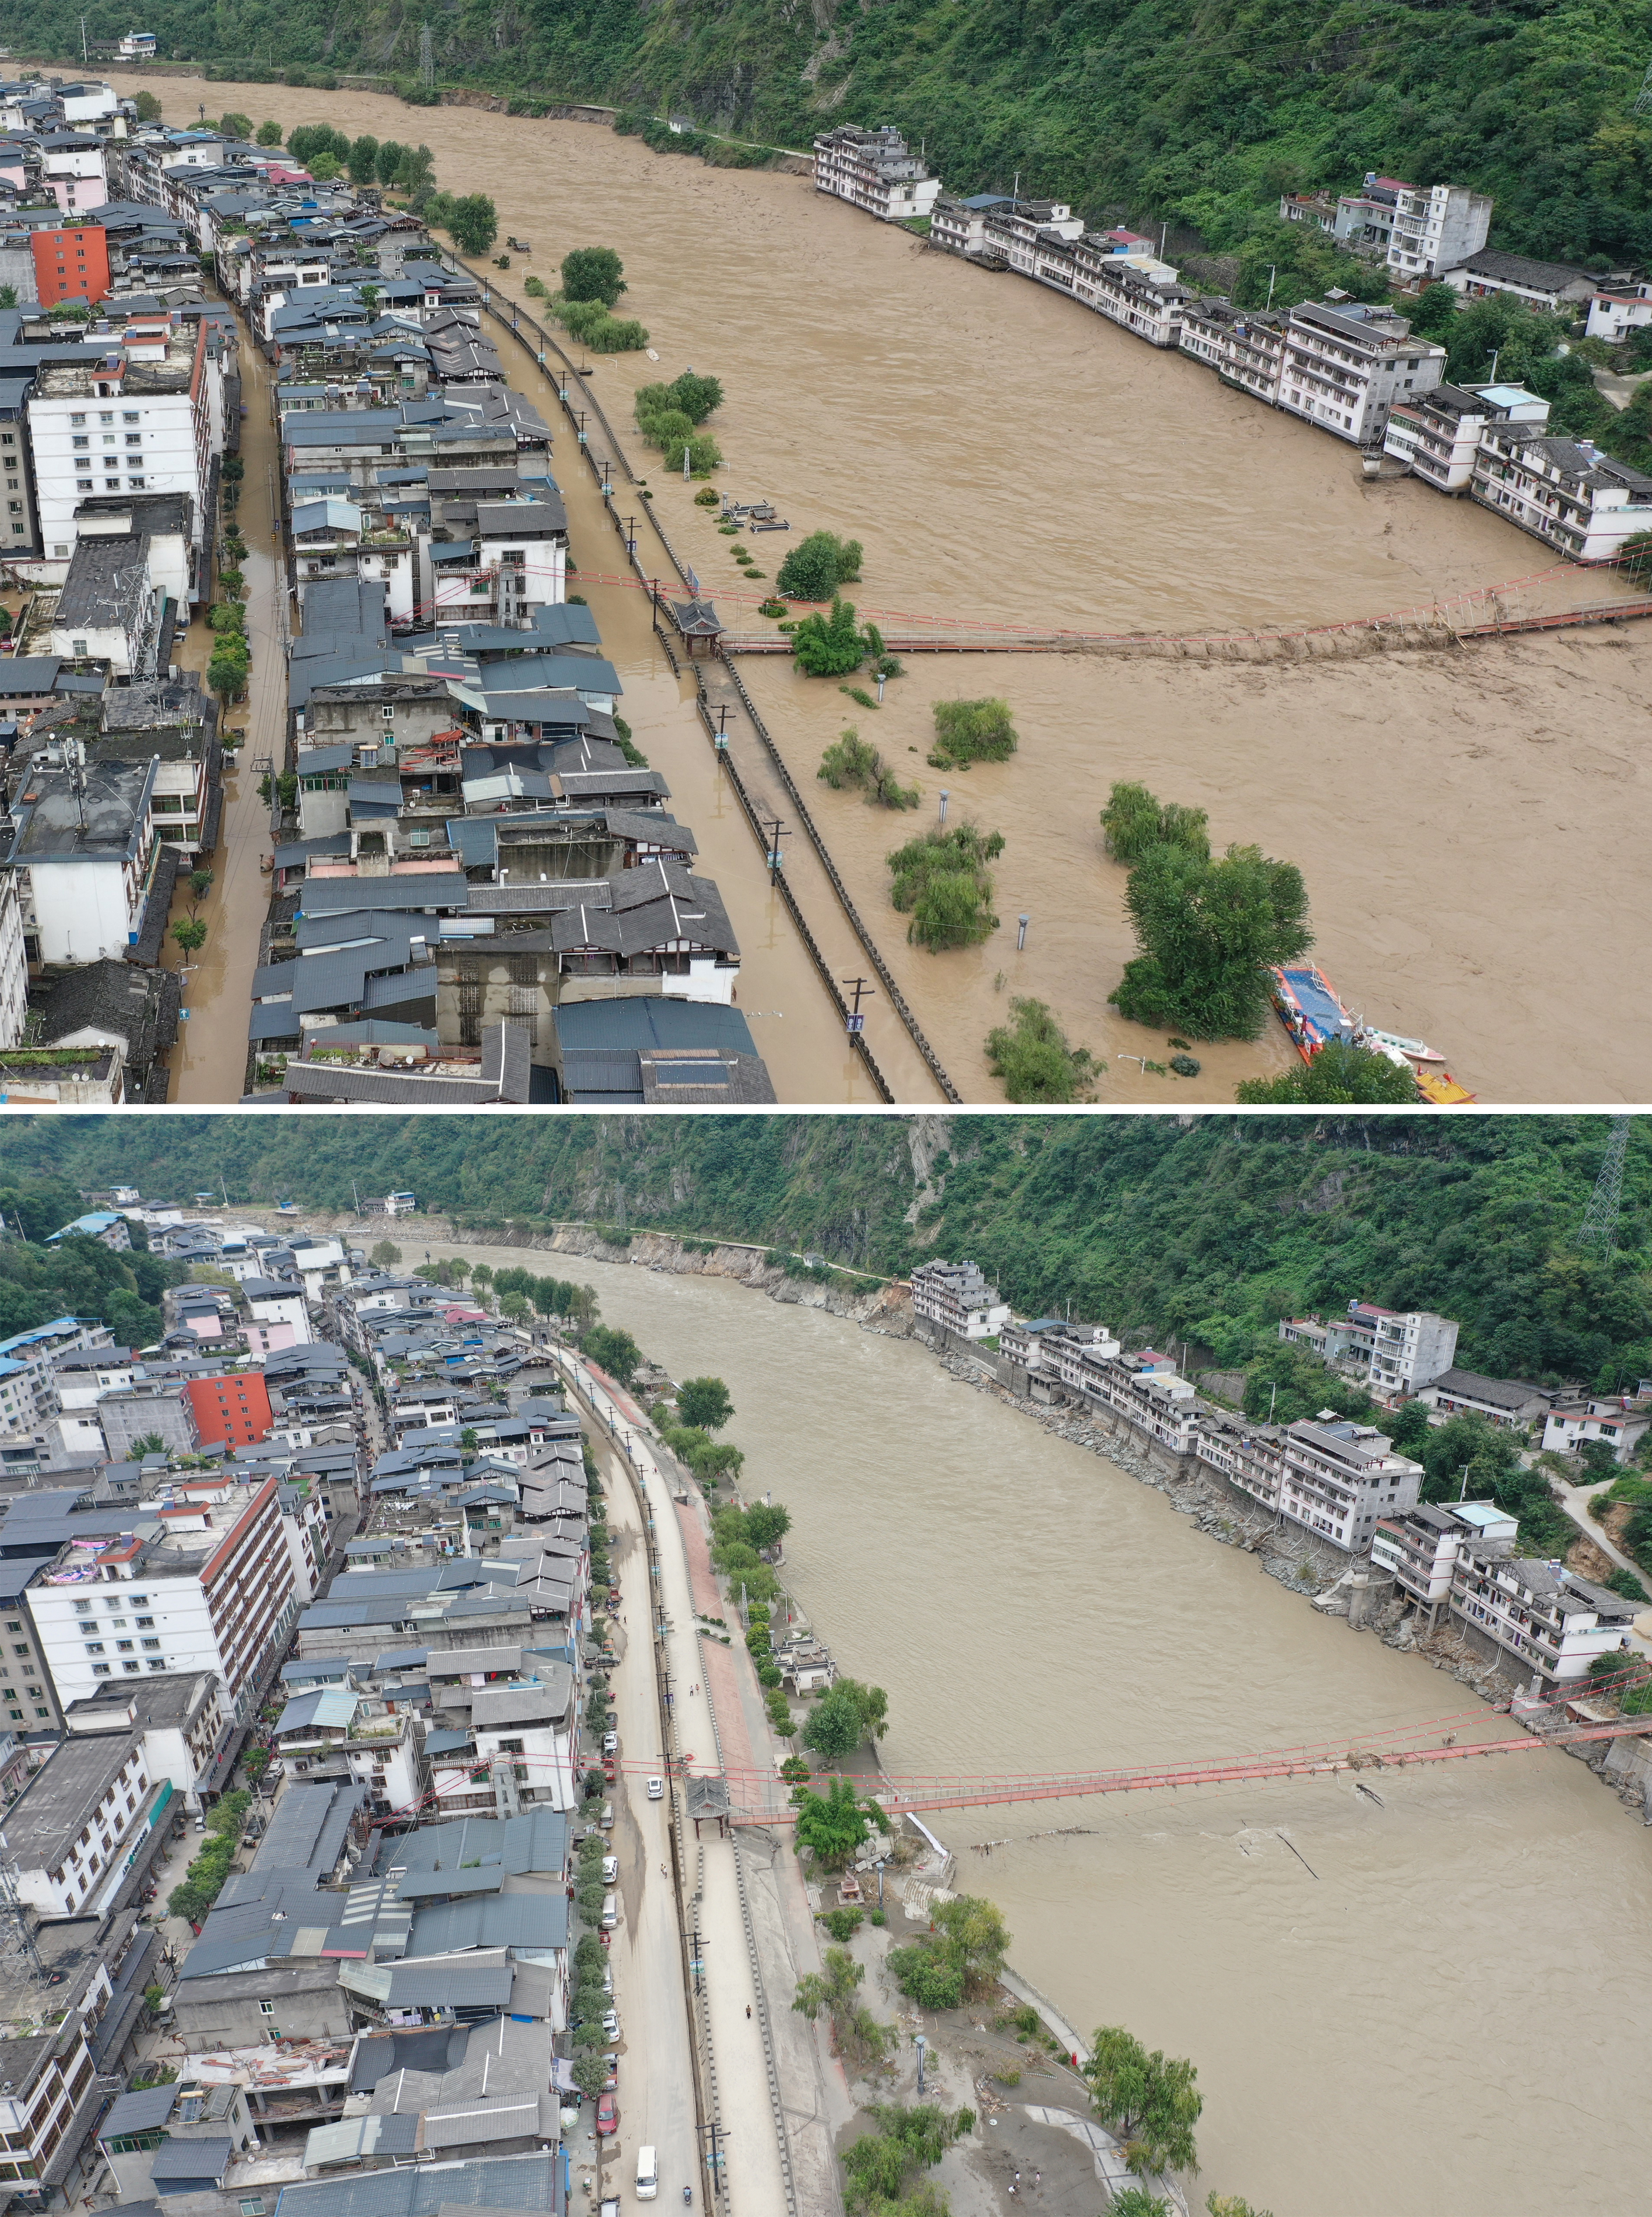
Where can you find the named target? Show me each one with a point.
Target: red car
(608, 2116)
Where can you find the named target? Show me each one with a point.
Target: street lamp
(920, 2043)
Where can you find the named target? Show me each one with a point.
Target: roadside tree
(706, 1402)
(1150, 2102)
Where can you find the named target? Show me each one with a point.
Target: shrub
(942, 881)
(841, 1923)
(1032, 1060)
(1134, 820)
(851, 761)
(534, 288)
(707, 496)
(817, 565)
(829, 645)
(925, 1977)
(1338, 1074)
(971, 730)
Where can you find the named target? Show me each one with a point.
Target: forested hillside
(1205, 113)
(1210, 1229)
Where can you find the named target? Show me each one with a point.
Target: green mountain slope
(1204, 114)
(1209, 1230)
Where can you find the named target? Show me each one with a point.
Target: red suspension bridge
(758, 1797)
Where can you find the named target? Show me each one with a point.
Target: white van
(648, 2175)
(610, 1912)
(604, 1822)
(610, 1869)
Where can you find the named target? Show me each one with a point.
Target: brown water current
(1465, 819)
(1444, 2005)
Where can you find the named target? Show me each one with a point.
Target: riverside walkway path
(766, 2079)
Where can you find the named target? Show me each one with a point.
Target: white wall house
(1614, 314)
(1620, 1423)
(957, 1297)
(1347, 366)
(1546, 1619)
(1437, 433)
(86, 859)
(74, 171)
(1338, 1479)
(1435, 227)
(1564, 491)
(70, 1825)
(14, 961)
(874, 171)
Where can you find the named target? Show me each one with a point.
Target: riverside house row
(1341, 1481)
(1351, 367)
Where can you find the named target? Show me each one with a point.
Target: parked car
(610, 1743)
(604, 1822)
(607, 2116)
(611, 2064)
(610, 1869)
(611, 2025)
(657, 1789)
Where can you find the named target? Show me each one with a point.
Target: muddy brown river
(1437, 2000)
(1468, 820)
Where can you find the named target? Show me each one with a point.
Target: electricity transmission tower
(1643, 103)
(427, 58)
(1599, 1230)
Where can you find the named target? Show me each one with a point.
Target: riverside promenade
(776, 2094)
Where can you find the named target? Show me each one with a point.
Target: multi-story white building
(1016, 230)
(960, 225)
(533, 1722)
(72, 1826)
(71, 162)
(14, 961)
(1618, 310)
(279, 1300)
(1364, 219)
(1420, 1549)
(1564, 491)
(180, 1719)
(1126, 287)
(1032, 1345)
(1339, 1477)
(957, 1297)
(84, 850)
(1437, 433)
(1145, 1390)
(1435, 228)
(1410, 1349)
(1347, 365)
(148, 418)
(1612, 1418)
(1244, 346)
(28, 1383)
(875, 170)
(214, 1592)
(47, 2110)
(1544, 1618)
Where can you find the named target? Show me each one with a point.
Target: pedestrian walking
(747, 2009)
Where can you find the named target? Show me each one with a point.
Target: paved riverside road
(656, 2094)
(755, 2177)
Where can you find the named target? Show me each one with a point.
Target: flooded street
(208, 1063)
(1436, 2000)
(1466, 820)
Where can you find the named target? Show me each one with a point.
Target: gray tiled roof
(526, 2182)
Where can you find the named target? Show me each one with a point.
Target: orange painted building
(232, 1410)
(71, 264)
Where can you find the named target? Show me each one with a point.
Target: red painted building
(232, 1410)
(71, 264)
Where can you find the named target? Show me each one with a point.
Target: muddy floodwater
(1468, 820)
(1437, 1998)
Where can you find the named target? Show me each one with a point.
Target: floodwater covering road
(1437, 1998)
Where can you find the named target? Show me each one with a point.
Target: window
(20, 1647)
(134, 438)
(78, 419)
(135, 484)
(102, 1671)
(123, 1647)
(94, 1646)
(104, 415)
(266, 2009)
(82, 1607)
(159, 1665)
(132, 1666)
(40, 1712)
(16, 1715)
(143, 1622)
(129, 416)
(140, 1600)
(148, 1642)
(82, 441)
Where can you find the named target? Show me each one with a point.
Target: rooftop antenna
(1598, 1229)
(74, 756)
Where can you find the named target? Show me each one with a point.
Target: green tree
(704, 1402)
(973, 1938)
(256, 1763)
(852, 761)
(1032, 1059)
(593, 273)
(1337, 1074)
(1149, 2103)
(1635, 558)
(616, 1352)
(971, 730)
(191, 934)
(829, 645)
(858, 2037)
(269, 135)
(474, 222)
(878, 2167)
(1137, 2202)
(814, 568)
(389, 162)
(149, 109)
(834, 1824)
(925, 1975)
(385, 1255)
(151, 1444)
(363, 159)
(716, 1460)
(235, 125)
(1208, 932)
(1230, 2205)
(845, 1717)
(767, 1523)
(416, 172)
(325, 167)
(1135, 820)
(200, 884)
(941, 879)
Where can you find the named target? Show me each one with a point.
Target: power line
(1599, 1230)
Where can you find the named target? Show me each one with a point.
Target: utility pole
(854, 1022)
(772, 831)
(696, 1959)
